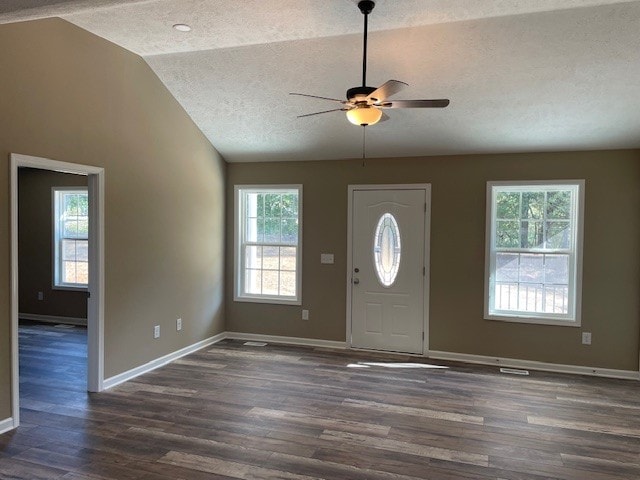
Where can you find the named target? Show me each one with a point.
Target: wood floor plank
(406, 447)
(412, 411)
(229, 469)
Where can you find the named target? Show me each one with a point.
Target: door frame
(95, 303)
(427, 248)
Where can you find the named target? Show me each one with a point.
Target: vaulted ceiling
(522, 75)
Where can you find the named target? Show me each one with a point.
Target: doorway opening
(75, 269)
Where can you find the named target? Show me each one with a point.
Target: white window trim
(55, 253)
(237, 257)
(528, 317)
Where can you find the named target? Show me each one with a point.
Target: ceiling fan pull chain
(364, 144)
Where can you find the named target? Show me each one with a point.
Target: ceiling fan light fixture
(364, 115)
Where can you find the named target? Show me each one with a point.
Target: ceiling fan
(364, 104)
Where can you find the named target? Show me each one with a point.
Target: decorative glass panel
(387, 249)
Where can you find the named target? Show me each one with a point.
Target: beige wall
(611, 252)
(35, 237)
(71, 96)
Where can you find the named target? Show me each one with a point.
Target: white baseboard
(159, 362)
(6, 425)
(308, 342)
(52, 319)
(533, 365)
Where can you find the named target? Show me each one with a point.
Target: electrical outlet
(179, 324)
(156, 331)
(586, 338)
(305, 314)
(40, 295)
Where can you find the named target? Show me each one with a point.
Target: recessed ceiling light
(182, 27)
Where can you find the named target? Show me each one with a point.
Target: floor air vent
(514, 371)
(255, 344)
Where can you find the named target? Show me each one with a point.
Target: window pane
(253, 257)
(270, 282)
(271, 258)
(532, 205)
(556, 269)
(290, 205)
(558, 234)
(556, 299)
(508, 205)
(70, 228)
(290, 230)
(254, 230)
(288, 258)
(272, 230)
(251, 206)
(530, 297)
(272, 205)
(559, 205)
(531, 234)
(253, 281)
(82, 250)
(83, 205)
(531, 268)
(70, 204)
(507, 234)
(288, 283)
(75, 272)
(507, 267)
(69, 250)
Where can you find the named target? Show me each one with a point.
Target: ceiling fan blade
(324, 111)
(384, 118)
(439, 103)
(318, 97)
(384, 91)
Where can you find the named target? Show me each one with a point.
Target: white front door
(388, 269)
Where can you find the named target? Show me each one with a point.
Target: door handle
(356, 281)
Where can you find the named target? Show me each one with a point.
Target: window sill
(70, 288)
(268, 300)
(534, 320)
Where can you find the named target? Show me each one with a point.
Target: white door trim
(95, 310)
(427, 246)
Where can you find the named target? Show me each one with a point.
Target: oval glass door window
(387, 249)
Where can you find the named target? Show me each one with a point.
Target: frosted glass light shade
(364, 116)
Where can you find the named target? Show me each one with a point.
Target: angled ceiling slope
(541, 75)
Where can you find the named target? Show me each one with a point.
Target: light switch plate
(326, 258)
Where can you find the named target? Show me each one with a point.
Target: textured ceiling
(534, 75)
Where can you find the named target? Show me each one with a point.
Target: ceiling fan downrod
(366, 7)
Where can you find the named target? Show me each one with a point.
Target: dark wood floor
(279, 412)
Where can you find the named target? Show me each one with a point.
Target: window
(268, 244)
(71, 237)
(534, 258)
